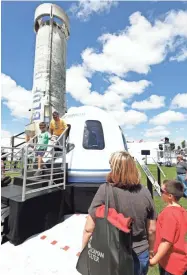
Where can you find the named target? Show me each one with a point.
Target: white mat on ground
(51, 252)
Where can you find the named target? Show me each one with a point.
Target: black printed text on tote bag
(109, 250)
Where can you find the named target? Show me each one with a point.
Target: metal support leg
(159, 176)
(52, 165)
(25, 173)
(150, 187)
(64, 160)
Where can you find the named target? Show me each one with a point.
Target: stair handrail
(59, 138)
(63, 133)
(63, 146)
(158, 165)
(27, 143)
(150, 176)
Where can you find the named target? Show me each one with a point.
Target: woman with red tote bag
(109, 250)
(128, 201)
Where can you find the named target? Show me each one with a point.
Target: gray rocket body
(51, 25)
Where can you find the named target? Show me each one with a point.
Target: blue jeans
(141, 263)
(181, 178)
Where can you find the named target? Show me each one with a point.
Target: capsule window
(93, 137)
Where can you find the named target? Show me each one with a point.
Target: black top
(135, 204)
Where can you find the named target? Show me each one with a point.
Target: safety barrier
(24, 162)
(12, 161)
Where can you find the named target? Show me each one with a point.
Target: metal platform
(10, 192)
(14, 190)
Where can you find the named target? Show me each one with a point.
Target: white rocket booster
(51, 25)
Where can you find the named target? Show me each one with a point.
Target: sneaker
(38, 173)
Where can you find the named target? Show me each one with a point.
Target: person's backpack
(109, 250)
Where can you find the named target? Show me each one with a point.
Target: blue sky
(137, 70)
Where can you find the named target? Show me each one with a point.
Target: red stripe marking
(78, 254)
(43, 237)
(54, 242)
(65, 248)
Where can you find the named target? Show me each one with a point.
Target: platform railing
(13, 164)
(49, 176)
(19, 149)
(52, 174)
(12, 161)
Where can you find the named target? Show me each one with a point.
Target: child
(171, 232)
(43, 138)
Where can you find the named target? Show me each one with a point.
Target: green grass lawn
(170, 173)
(13, 174)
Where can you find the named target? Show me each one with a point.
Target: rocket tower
(51, 26)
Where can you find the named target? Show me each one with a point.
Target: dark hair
(174, 188)
(55, 113)
(42, 124)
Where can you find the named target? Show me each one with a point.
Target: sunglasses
(163, 191)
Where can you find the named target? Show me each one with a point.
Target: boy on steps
(43, 140)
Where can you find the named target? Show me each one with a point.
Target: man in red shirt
(171, 232)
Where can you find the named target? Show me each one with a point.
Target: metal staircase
(21, 165)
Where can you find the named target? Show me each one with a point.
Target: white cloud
(127, 89)
(153, 102)
(5, 138)
(77, 83)
(118, 91)
(15, 97)
(167, 118)
(137, 47)
(85, 8)
(109, 101)
(112, 99)
(181, 56)
(179, 101)
(81, 90)
(129, 118)
(158, 131)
